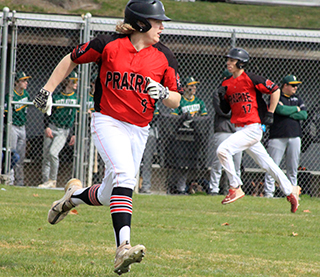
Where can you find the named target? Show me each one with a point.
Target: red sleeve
(262, 84)
(171, 80)
(91, 51)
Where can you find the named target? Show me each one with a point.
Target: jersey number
(144, 103)
(246, 108)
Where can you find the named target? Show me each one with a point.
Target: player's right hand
(156, 90)
(222, 92)
(43, 101)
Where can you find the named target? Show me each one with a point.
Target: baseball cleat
(60, 208)
(233, 195)
(49, 184)
(127, 255)
(293, 198)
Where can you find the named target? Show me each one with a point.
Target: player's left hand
(268, 119)
(43, 101)
(156, 90)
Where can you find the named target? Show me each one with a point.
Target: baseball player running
(135, 71)
(242, 93)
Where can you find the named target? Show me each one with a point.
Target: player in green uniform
(190, 106)
(285, 132)
(19, 118)
(57, 129)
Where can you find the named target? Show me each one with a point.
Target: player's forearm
(62, 70)
(173, 101)
(274, 99)
(286, 110)
(302, 115)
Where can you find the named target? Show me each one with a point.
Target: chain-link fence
(179, 152)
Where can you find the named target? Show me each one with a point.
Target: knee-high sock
(121, 212)
(88, 196)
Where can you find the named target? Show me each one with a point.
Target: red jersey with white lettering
(120, 86)
(244, 95)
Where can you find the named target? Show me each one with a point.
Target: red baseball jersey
(244, 95)
(120, 86)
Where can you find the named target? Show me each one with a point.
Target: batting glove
(268, 119)
(222, 92)
(43, 101)
(156, 90)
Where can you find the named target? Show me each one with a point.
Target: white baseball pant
(216, 172)
(248, 138)
(120, 145)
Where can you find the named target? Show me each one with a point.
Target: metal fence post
(83, 110)
(3, 70)
(14, 41)
(233, 39)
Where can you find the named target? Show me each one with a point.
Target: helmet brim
(236, 58)
(160, 17)
(230, 56)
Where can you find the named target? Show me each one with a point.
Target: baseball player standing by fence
(131, 66)
(285, 133)
(57, 129)
(18, 137)
(242, 93)
(190, 108)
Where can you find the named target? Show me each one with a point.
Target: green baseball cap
(22, 76)
(291, 80)
(191, 81)
(73, 76)
(226, 74)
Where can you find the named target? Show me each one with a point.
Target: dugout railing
(35, 43)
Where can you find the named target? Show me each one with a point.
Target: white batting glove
(43, 101)
(156, 90)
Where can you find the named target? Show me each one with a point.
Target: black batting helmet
(142, 10)
(239, 54)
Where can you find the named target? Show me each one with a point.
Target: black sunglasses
(293, 85)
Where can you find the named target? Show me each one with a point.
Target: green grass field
(184, 236)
